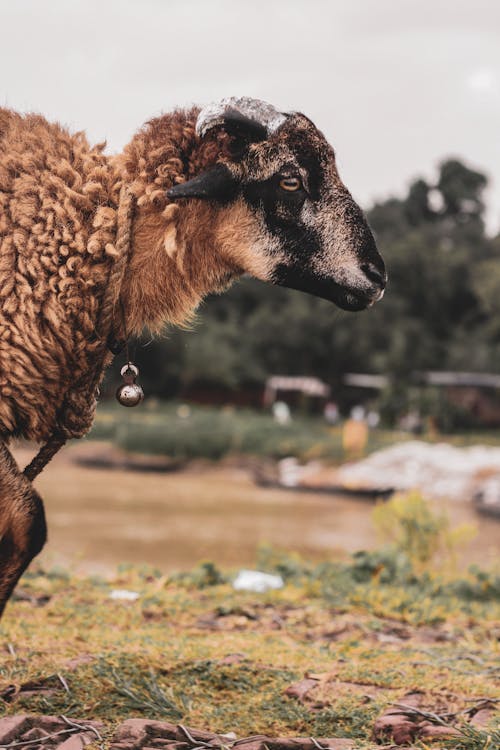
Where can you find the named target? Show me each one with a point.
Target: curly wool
(58, 220)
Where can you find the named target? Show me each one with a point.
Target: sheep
(236, 187)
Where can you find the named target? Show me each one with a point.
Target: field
(325, 656)
(394, 644)
(183, 432)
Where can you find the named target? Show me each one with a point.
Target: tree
(461, 189)
(417, 205)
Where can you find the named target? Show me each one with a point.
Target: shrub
(415, 530)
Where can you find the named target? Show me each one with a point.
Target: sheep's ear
(216, 184)
(242, 127)
(242, 132)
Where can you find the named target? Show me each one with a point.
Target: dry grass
(192, 649)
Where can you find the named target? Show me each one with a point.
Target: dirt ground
(101, 517)
(323, 657)
(362, 652)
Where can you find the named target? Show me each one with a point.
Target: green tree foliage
(461, 190)
(441, 309)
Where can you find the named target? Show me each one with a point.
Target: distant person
(281, 412)
(355, 434)
(373, 419)
(411, 422)
(331, 412)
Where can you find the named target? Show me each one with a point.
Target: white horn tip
(214, 114)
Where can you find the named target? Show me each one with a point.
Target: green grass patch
(191, 649)
(170, 654)
(205, 432)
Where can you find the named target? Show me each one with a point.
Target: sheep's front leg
(22, 524)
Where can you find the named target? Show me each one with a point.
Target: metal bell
(129, 393)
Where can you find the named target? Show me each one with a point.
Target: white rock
(124, 595)
(255, 580)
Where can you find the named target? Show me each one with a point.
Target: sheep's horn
(251, 114)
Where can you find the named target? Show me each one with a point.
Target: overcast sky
(396, 85)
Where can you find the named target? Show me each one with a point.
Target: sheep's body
(58, 222)
(58, 200)
(260, 194)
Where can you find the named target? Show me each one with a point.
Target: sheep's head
(279, 179)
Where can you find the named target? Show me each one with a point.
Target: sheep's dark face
(317, 234)
(298, 224)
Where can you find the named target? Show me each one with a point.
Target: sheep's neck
(179, 255)
(173, 265)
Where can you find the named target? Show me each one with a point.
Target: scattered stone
(45, 685)
(403, 723)
(300, 689)
(428, 731)
(12, 727)
(394, 726)
(143, 734)
(77, 741)
(482, 717)
(319, 691)
(417, 717)
(53, 732)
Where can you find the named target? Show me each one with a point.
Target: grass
(164, 656)
(206, 432)
(191, 649)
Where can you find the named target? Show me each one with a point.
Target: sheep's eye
(290, 184)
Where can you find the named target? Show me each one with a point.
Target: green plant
(412, 528)
(204, 575)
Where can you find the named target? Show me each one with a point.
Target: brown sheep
(237, 187)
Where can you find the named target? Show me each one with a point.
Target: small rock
(12, 726)
(255, 580)
(124, 595)
(300, 689)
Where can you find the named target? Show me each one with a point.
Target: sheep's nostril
(375, 274)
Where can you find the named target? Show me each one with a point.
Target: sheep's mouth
(344, 297)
